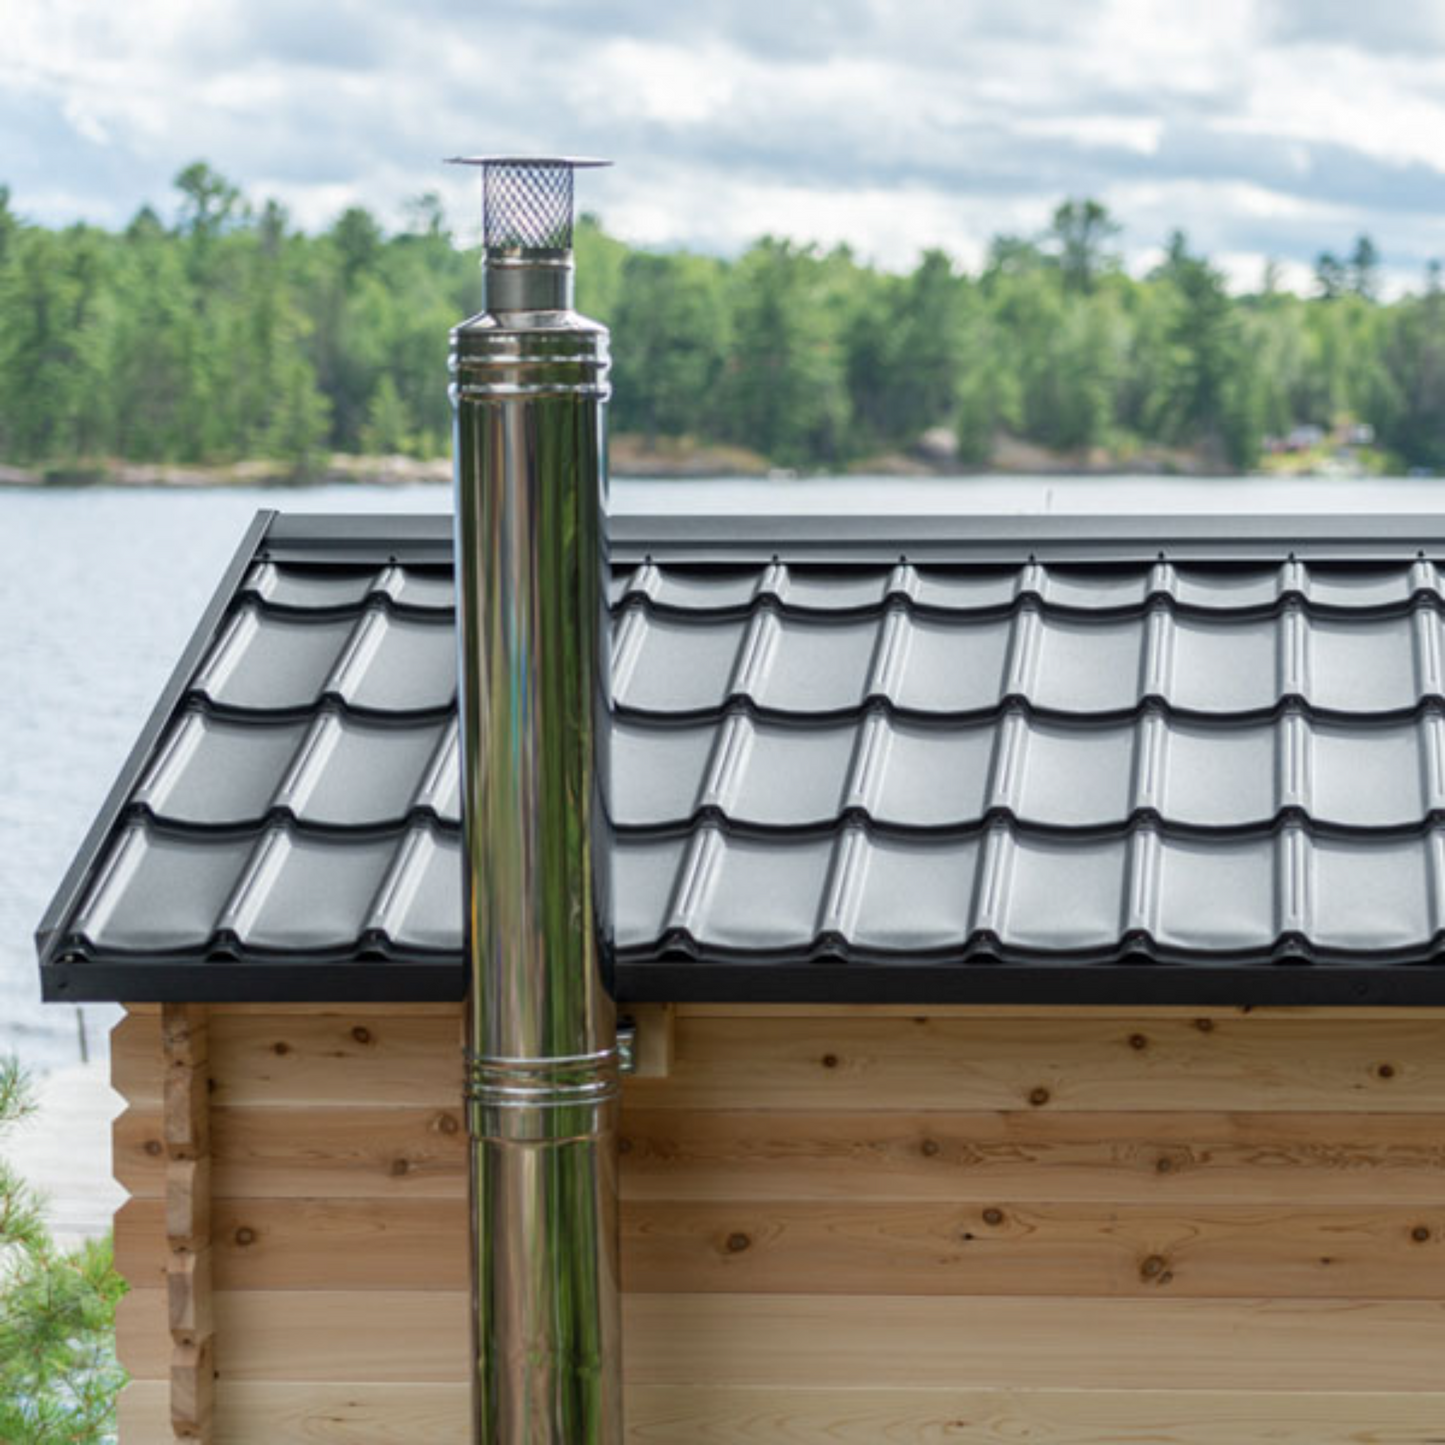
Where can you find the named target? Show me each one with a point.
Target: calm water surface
(99, 590)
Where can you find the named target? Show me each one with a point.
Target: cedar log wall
(849, 1226)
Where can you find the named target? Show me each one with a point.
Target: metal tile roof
(1110, 767)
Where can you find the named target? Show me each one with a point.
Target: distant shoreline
(664, 458)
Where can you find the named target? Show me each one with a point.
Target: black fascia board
(716, 981)
(1130, 985)
(67, 895)
(253, 980)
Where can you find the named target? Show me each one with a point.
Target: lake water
(99, 590)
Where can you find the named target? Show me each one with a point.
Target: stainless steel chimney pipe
(529, 384)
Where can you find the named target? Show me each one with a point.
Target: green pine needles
(58, 1373)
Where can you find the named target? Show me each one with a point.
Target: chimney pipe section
(529, 383)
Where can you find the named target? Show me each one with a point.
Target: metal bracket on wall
(645, 1040)
(626, 1046)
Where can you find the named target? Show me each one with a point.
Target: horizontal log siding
(1071, 1227)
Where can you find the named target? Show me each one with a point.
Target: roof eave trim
(1120, 985)
(278, 980)
(915, 984)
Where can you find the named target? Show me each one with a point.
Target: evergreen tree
(1080, 232)
(385, 432)
(1414, 359)
(150, 370)
(358, 241)
(600, 259)
(1204, 351)
(784, 390)
(8, 222)
(670, 340)
(58, 1374)
(928, 336)
(905, 349)
(1364, 268)
(54, 314)
(1331, 276)
(208, 200)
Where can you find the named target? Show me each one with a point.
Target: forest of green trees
(219, 332)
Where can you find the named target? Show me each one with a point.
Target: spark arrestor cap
(527, 200)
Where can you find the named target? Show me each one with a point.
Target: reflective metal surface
(529, 383)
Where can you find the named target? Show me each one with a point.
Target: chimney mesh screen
(527, 205)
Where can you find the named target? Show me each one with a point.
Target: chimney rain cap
(527, 200)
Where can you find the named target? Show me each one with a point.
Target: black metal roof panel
(1142, 770)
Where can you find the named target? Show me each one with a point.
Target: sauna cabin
(1028, 931)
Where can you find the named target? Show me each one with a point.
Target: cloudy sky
(1264, 128)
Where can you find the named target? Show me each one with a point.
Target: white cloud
(662, 82)
(1138, 133)
(1261, 127)
(1390, 108)
(888, 227)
